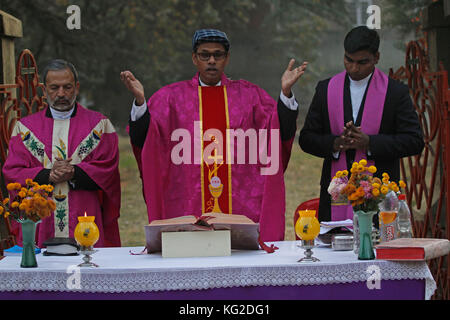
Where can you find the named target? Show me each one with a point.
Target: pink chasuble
(172, 186)
(90, 140)
(370, 124)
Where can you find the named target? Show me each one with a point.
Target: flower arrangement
(32, 201)
(362, 190)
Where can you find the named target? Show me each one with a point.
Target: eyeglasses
(205, 56)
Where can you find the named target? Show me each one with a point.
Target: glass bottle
(404, 219)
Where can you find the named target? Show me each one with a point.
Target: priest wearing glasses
(208, 107)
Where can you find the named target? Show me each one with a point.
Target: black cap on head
(210, 35)
(362, 38)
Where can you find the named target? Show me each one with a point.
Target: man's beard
(62, 104)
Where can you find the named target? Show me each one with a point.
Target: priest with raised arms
(217, 171)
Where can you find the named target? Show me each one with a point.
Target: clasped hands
(62, 171)
(351, 138)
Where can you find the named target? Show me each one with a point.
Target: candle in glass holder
(307, 226)
(86, 232)
(307, 229)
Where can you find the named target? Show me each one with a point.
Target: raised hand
(134, 86)
(291, 76)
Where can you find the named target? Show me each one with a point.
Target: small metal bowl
(342, 242)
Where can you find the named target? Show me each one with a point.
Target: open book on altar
(244, 233)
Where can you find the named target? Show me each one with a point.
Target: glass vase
(355, 233)
(365, 235)
(28, 243)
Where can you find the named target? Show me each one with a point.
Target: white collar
(205, 85)
(61, 115)
(360, 83)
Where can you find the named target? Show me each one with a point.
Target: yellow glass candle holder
(307, 229)
(87, 234)
(307, 226)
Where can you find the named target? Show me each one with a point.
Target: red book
(413, 249)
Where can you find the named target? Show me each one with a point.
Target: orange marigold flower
(349, 189)
(29, 182)
(42, 202)
(6, 201)
(363, 162)
(11, 186)
(15, 204)
(402, 184)
(52, 205)
(1, 210)
(372, 169)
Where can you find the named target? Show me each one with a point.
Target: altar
(245, 275)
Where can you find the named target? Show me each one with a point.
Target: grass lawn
(302, 183)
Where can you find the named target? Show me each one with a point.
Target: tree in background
(404, 15)
(153, 39)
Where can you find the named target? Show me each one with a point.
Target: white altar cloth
(121, 272)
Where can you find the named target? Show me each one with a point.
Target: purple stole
(370, 124)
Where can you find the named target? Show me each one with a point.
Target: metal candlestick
(308, 245)
(87, 252)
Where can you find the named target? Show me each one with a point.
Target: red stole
(370, 124)
(215, 167)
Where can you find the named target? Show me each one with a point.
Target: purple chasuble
(370, 124)
(92, 143)
(174, 189)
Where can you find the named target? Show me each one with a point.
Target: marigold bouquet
(32, 201)
(362, 190)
